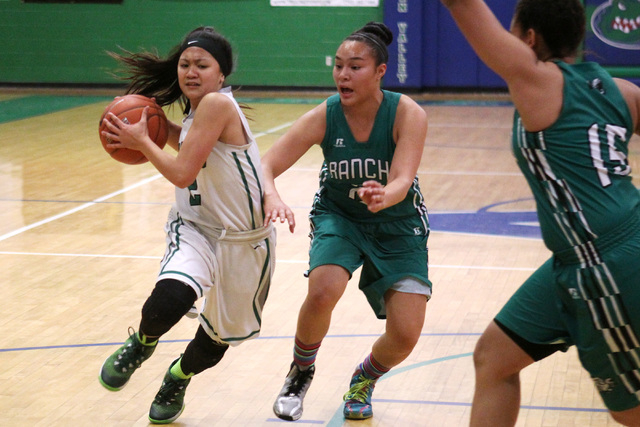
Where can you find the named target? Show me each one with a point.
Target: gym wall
(65, 43)
(53, 42)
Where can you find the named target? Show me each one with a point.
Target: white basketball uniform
(216, 242)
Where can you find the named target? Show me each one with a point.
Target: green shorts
(594, 307)
(388, 253)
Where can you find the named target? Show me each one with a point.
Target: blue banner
(404, 18)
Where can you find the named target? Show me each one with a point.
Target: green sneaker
(119, 367)
(169, 402)
(357, 404)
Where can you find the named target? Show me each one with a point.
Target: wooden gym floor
(81, 237)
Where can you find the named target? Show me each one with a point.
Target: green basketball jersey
(577, 168)
(348, 163)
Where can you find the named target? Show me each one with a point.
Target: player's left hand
(124, 135)
(372, 193)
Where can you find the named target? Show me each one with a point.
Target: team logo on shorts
(604, 385)
(417, 231)
(574, 293)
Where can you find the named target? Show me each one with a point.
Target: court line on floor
(283, 261)
(115, 193)
(276, 337)
(78, 208)
(338, 419)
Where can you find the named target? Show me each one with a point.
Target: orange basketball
(128, 108)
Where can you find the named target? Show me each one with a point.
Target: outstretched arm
(305, 132)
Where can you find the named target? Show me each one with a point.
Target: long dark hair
(150, 75)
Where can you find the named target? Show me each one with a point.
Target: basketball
(128, 108)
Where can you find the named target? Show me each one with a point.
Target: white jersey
(227, 193)
(216, 243)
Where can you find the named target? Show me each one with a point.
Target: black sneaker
(169, 401)
(119, 367)
(288, 404)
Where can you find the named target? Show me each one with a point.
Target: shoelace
(298, 382)
(131, 354)
(361, 390)
(169, 390)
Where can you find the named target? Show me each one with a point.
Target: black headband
(211, 46)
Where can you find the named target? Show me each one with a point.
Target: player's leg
(202, 353)
(405, 318)
(327, 283)
(528, 328)
(168, 302)
(607, 322)
(498, 361)
(333, 257)
(395, 279)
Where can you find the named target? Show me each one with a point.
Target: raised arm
(534, 84)
(503, 52)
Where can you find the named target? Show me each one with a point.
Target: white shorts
(231, 270)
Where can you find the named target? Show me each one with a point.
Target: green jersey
(348, 163)
(577, 168)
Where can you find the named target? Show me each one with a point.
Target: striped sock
(372, 369)
(305, 355)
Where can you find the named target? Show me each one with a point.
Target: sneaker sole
(287, 417)
(357, 417)
(167, 421)
(107, 386)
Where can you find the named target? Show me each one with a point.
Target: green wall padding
(274, 46)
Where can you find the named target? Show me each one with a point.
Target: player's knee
(407, 340)
(168, 302)
(403, 339)
(480, 356)
(321, 303)
(323, 296)
(484, 357)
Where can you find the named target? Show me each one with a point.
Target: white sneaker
(288, 404)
